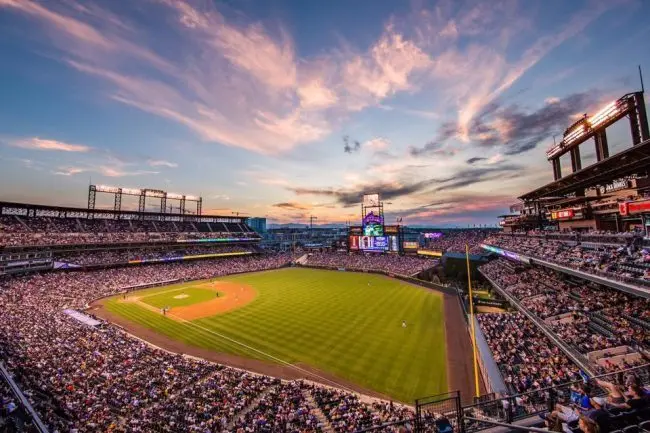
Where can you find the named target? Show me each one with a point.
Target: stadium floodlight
(610, 111)
(191, 197)
(154, 193)
(555, 150)
(131, 191)
(576, 133)
(105, 188)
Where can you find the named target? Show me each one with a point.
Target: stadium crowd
(346, 413)
(86, 378)
(123, 256)
(588, 317)
(455, 241)
(617, 256)
(21, 231)
(527, 358)
(400, 265)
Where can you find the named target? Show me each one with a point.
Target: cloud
(489, 161)
(241, 85)
(291, 206)
(461, 207)
(469, 177)
(385, 70)
(513, 128)
(437, 146)
(220, 197)
(105, 170)
(376, 144)
(36, 143)
(352, 196)
(161, 163)
(517, 130)
(315, 95)
(350, 148)
(69, 171)
(119, 172)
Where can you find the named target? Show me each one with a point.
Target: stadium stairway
(327, 427)
(250, 407)
(302, 260)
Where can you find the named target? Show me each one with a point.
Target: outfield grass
(169, 297)
(346, 324)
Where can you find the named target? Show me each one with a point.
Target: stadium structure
(162, 319)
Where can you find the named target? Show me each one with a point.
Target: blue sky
(288, 109)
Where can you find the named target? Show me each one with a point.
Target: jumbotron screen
(373, 225)
(373, 243)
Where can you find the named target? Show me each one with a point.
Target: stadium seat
(631, 429)
(644, 415)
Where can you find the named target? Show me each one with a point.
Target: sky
(291, 109)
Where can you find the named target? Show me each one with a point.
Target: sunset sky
(288, 109)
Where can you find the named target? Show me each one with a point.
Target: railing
(521, 406)
(635, 286)
(576, 357)
(491, 373)
(22, 400)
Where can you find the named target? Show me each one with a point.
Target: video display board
(373, 225)
(410, 245)
(391, 229)
(373, 243)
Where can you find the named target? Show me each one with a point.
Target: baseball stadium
(445, 288)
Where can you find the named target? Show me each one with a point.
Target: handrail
(570, 353)
(23, 400)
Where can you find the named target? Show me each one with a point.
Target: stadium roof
(635, 160)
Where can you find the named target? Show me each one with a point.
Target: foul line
(281, 361)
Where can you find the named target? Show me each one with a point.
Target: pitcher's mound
(231, 296)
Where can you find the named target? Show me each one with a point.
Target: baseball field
(382, 334)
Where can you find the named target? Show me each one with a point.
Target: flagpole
(471, 321)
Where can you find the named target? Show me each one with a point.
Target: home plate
(182, 296)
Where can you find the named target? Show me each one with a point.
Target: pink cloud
(238, 85)
(36, 143)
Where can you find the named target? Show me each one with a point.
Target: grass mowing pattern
(333, 321)
(195, 295)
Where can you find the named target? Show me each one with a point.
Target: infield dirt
(231, 296)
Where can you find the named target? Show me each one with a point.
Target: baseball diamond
(332, 322)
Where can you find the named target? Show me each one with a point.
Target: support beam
(576, 163)
(92, 195)
(557, 169)
(117, 203)
(163, 203)
(602, 148)
(642, 116)
(142, 202)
